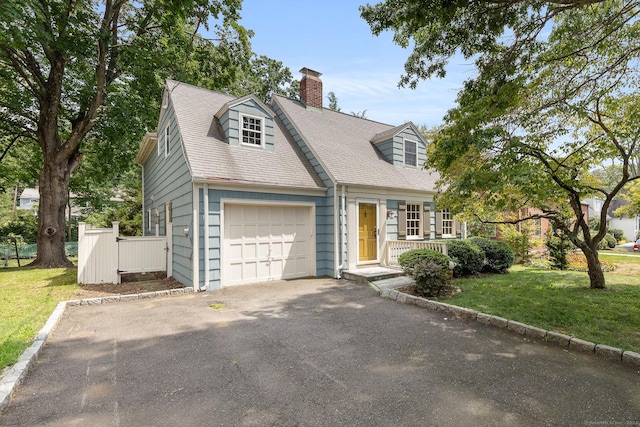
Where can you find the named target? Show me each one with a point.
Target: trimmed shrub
(409, 258)
(430, 270)
(559, 246)
(467, 256)
(611, 241)
(616, 233)
(498, 256)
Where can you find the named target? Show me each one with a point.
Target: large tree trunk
(54, 186)
(596, 275)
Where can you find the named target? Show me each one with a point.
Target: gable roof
(343, 144)
(211, 158)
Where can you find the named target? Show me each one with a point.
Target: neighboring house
(29, 198)
(252, 192)
(628, 224)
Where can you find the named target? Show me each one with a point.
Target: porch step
(365, 275)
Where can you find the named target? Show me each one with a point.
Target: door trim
(375, 202)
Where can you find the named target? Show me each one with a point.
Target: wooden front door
(367, 232)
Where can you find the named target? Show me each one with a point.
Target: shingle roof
(210, 157)
(343, 145)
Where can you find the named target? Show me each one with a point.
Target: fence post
(115, 225)
(82, 259)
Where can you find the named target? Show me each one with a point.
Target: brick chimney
(311, 88)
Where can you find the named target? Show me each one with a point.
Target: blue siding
(323, 231)
(392, 224)
(326, 261)
(159, 190)
(230, 122)
(393, 148)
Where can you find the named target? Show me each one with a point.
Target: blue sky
(362, 70)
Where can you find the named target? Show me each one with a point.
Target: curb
(628, 358)
(16, 375)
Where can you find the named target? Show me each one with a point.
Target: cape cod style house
(248, 192)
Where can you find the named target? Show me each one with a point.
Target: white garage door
(264, 243)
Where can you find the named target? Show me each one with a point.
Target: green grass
(28, 296)
(561, 301)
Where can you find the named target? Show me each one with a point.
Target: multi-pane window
(447, 223)
(410, 153)
(251, 130)
(413, 220)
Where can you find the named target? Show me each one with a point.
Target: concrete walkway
(309, 352)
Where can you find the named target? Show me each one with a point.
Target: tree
(72, 71)
(333, 101)
(555, 96)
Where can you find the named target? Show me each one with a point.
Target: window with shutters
(414, 220)
(447, 223)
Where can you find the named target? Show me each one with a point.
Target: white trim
(357, 230)
(206, 236)
(241, 129)
(404, 152)
(149, 219)
(251, 202)
(420, 235)
(166, 141)
(261, 188)
(195, 255)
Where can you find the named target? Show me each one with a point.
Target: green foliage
(519, 240)
(128, 211)
(467, 256)
(543, 75)
(409, 258)
(610, 240)
(616, 233)
(430, 270)
(559, 247)
(498, 257)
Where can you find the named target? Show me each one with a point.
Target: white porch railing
(395, 248)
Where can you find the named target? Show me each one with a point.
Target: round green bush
(409, 258)
(498, 256)
(617, 233)
(467, 256)
(611, 241)
(430, 270)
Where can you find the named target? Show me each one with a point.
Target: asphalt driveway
(309, 352)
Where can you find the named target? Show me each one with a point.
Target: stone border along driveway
(18, 372)
(613, 354)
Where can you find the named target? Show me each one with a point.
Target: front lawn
(563, 302)
(28, 296)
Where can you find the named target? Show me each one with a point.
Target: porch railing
(395, 248)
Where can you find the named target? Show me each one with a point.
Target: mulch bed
(131, 284)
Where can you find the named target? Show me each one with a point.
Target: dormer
(247, 122)
(403, 146)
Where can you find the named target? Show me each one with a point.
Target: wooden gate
(103, 255)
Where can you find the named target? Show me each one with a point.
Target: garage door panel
(264, 243)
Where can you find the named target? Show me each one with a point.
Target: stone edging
(606, 352)
(18, 372)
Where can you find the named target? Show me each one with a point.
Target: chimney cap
(309, 72)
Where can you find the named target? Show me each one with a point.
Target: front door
(367, 232)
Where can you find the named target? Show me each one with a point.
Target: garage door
(264, 243)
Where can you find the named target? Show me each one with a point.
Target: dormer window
(252, 130)
(410, 153)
